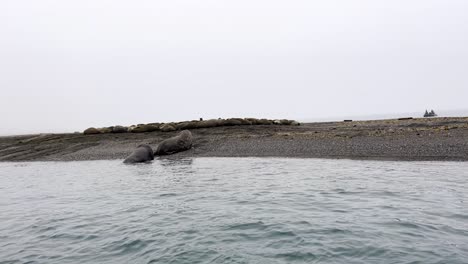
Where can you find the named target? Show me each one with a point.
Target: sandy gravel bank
(415, 139)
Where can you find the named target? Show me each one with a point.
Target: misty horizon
(69, 65)
(364, 117)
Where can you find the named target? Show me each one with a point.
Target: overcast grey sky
(68, 65)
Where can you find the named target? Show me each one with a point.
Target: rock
(119, 129)
(91, 131)
(172, 145)
(143, 153)
(167, 127)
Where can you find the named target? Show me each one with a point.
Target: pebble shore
(410, 139)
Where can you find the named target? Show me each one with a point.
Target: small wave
(245, 226)
(296, 256)
(384, 193)
(72, 237)
(302, 223)
(126, 246)
(280, 234)
(458, 216)
(168, 194)
(330, 231)
(362, 253)
(415, 225)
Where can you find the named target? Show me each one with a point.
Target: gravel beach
(413, 139)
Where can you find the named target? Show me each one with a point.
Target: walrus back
(141, 154)
(172, 145)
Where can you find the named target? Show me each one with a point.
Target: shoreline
(420, 139)
(185, 158)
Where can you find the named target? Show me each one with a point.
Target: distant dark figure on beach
(143, 153)
(172, 145)
(430, 114)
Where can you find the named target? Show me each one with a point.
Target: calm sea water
(229, 210)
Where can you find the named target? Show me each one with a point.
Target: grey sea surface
(234, 210)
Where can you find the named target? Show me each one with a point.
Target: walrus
(172, 145)
(142, 153)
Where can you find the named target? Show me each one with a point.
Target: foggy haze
(69, 65)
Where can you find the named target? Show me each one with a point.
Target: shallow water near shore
(234, 210)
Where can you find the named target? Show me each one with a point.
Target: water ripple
(216, 210)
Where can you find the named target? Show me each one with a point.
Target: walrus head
(146, 146)
(185, 135)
